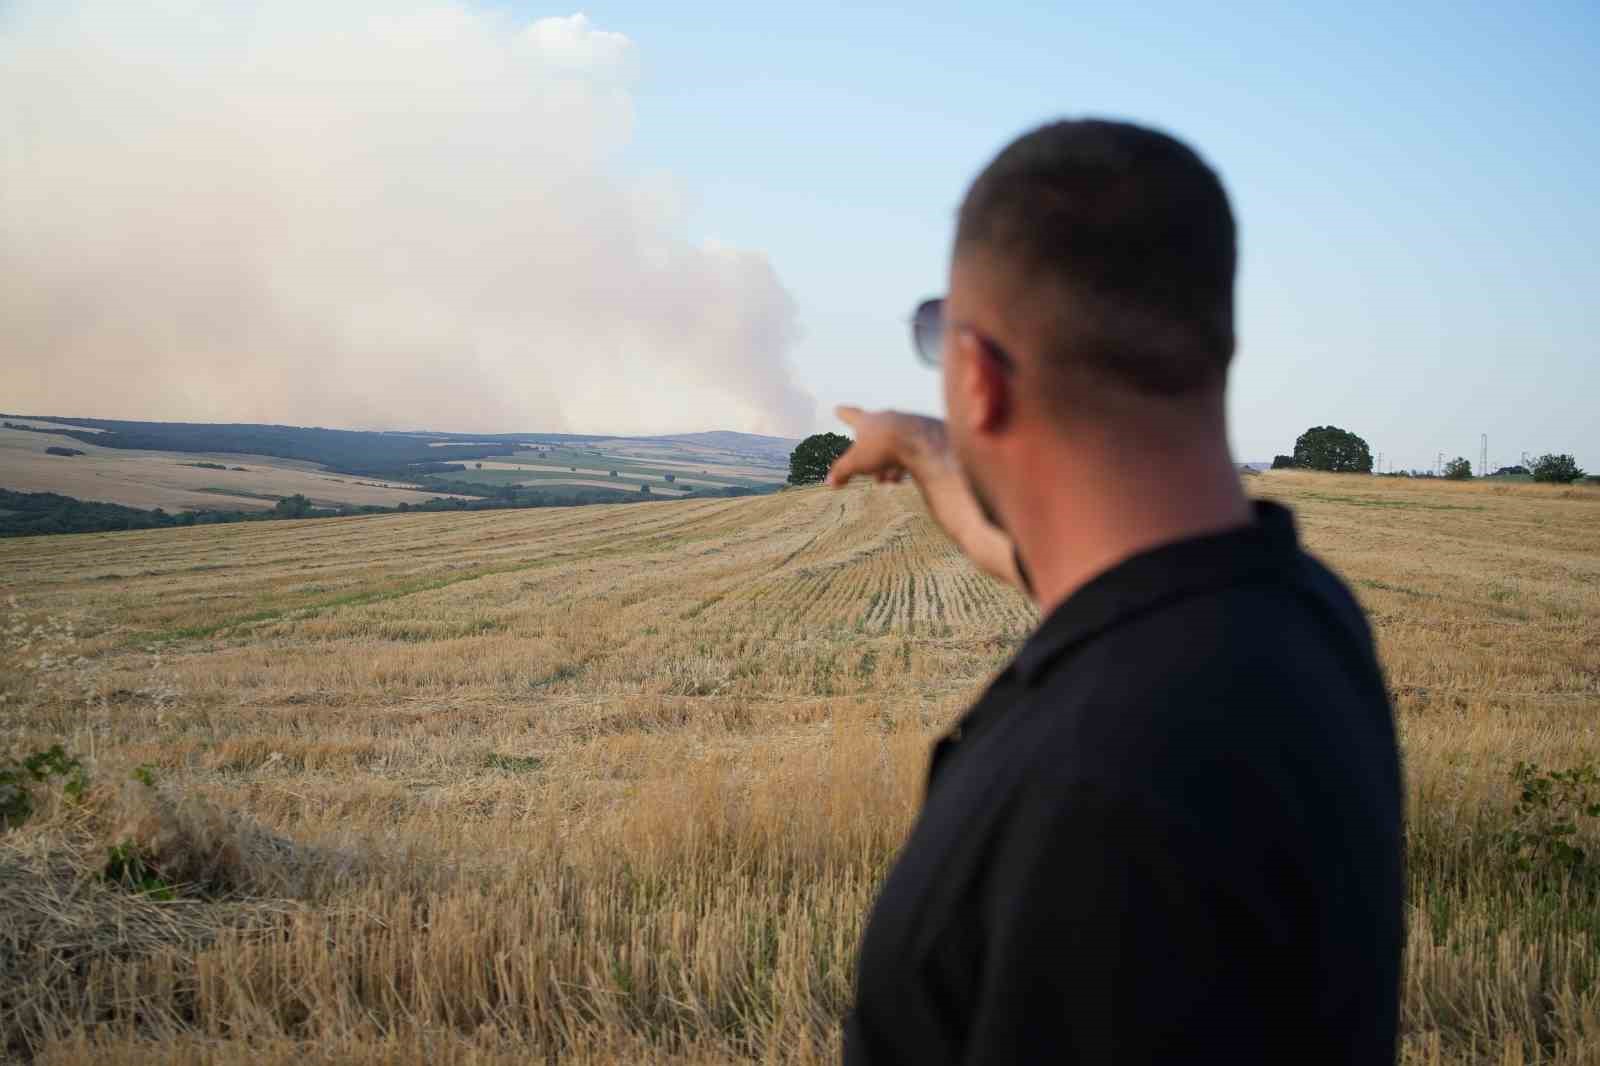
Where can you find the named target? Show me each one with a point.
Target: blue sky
(519, 216)
(1415, 186)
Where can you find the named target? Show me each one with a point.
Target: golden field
(149, 479)
(618, 783)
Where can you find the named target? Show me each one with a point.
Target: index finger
(846, 467)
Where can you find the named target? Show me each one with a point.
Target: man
(1170, 831)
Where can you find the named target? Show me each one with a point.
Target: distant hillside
(389, 454)
(772, 449)
(237, 469)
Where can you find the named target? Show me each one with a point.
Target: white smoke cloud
(333, 214)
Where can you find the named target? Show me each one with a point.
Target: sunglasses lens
(927, 331)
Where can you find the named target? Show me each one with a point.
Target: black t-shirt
(1169, 832)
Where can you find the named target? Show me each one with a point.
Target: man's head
(1091, 281)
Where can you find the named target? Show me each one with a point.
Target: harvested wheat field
(618, 783)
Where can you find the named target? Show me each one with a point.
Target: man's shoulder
(1259, 670)
(1280, 630)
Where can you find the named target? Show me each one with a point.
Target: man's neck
(1124, 499)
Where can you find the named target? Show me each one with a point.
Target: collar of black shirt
(1160, 576)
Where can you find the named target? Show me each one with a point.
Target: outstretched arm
(891, 444)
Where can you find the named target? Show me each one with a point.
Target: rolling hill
(243, 468)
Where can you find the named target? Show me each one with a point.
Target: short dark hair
(1135, 232)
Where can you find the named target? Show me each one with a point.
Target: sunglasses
(927, 336)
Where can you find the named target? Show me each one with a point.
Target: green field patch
(216, 491)
(308, 610)
(1384, 586)
(514, 764)
(688, 468)
(1379, 501)
(198, 632)
(482, 477)
(628, 475)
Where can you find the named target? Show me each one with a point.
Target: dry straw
(619, 784)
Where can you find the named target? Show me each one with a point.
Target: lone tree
(811, 458)
(295, 506)
(1333, 449)
(1458, 469)
(1558, 469)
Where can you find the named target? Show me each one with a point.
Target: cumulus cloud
(337, 214)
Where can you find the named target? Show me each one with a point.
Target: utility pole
(1483, 456)
(1438, 465)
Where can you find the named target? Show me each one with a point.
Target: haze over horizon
(511, 217)
(339, 214)
(67, 419)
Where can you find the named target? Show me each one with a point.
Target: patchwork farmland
(216, 468)
(173, 481)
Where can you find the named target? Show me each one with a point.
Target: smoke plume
(330, 214)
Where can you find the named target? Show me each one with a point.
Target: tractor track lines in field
(630, 750)
(863, 560)
(614, 539)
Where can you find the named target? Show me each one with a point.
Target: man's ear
(986, 387)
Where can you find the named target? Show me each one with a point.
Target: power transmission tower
(1483, 456)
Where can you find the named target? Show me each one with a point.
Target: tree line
(36, 513)
(1340, 451)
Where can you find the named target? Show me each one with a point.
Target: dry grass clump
(108, 874)
(619, 784)
(636, 934)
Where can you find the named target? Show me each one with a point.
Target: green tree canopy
(811, 458)
(1334, 449)
(1560, 469)
(1458, 469)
